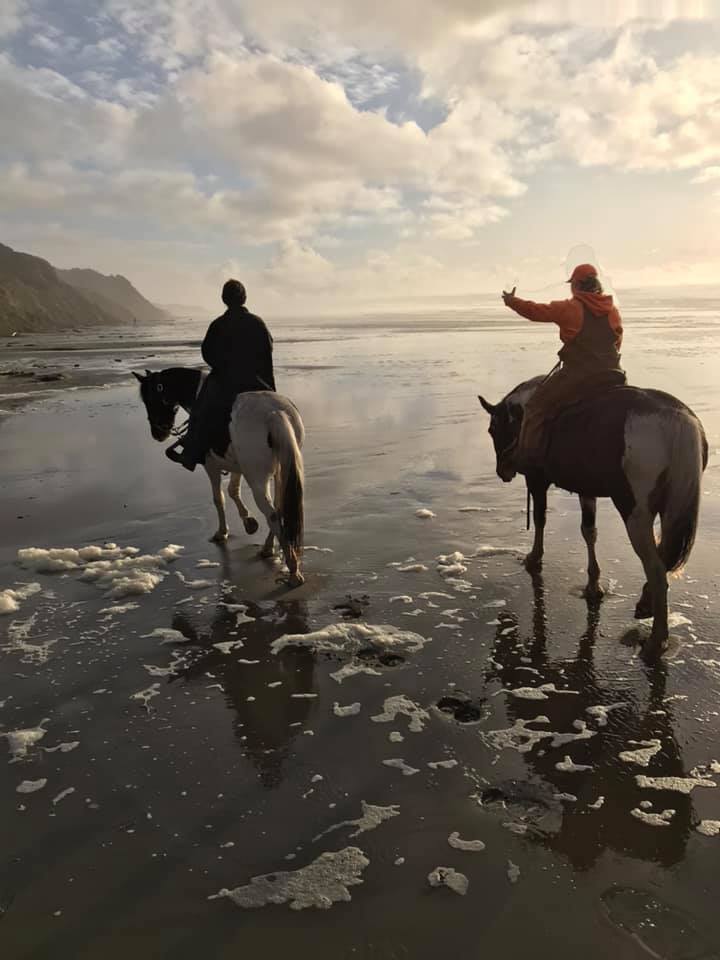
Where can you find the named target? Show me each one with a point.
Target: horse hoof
(653, 649)
(533, 561)
(218, 537)
(296, 580)
(251, 525)
(643, 611)
(267, 553)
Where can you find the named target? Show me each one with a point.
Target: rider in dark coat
(238, 349)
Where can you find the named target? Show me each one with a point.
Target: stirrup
(174, 453)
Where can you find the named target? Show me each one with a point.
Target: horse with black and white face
(643, 449)
(266, 436)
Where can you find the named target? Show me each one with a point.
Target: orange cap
(581, 272)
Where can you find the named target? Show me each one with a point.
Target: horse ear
(138, 376)
(486, 406)
(147, 372)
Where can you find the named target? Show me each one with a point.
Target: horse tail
(289, 480)
(679, 512)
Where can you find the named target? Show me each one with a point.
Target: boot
(183, 458)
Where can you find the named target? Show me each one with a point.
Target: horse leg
(538, 491)
(588, 506)
(250, 523)
(268, 549)
(643, 610)
(640, 530)
(261, 493)
(215, 477)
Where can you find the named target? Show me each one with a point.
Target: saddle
(595, 384)
(601, 381)
(580, 411)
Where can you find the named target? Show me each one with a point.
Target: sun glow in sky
(334, 154)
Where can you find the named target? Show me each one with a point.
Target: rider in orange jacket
(591, 332)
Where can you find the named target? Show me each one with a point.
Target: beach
(188, 746)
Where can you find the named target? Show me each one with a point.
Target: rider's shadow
(583, 831)
(270, 695)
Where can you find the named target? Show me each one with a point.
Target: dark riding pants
(208, 420)
(569, 385)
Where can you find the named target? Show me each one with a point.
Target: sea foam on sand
(120, 571)
(11, 598)
(349, 639)
(320, 884)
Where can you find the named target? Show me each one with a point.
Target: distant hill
(34, 296)
(115, 295)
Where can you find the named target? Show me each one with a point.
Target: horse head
(161, 407)
(505, 421)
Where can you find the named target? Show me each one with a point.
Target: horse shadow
(579, 831)
(266, 721)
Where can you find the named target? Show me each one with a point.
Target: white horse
(266, 434)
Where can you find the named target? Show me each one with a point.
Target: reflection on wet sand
(582, 832)
(265, 723)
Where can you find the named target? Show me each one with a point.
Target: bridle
(172, 406)
(511, 445)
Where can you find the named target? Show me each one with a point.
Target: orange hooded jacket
(568, 314)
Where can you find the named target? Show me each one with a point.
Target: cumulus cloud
(11, 13)
(299, 268)
(628, 112)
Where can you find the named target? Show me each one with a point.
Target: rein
(181, 430)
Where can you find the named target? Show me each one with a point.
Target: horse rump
(289, 480)
(681, 495)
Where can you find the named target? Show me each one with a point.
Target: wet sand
(234, 761)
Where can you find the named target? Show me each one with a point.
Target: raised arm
(554, 312)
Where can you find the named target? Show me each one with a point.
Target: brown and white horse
(643, 449)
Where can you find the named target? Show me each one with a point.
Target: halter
(178, 431)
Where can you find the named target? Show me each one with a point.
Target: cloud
(707, 175)
(627, 112)
(11, 16)
(297, 268)
(52, 116)
(295, 154)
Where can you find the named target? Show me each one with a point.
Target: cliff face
(114, 294)
(34, 296)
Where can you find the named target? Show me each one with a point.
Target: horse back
(252, 412)
(587, 441)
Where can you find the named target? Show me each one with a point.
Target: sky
(337, 155)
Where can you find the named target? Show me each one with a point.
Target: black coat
(238, 349)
